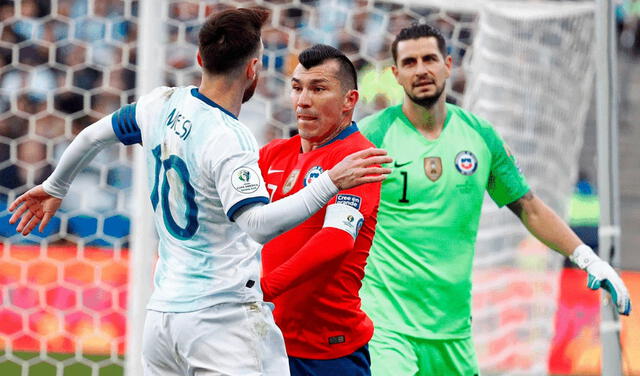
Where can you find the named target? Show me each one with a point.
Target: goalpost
(608, 183)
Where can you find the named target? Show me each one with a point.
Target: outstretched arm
(39, 204)
(543, 223)
(264, 222)
(550, 229)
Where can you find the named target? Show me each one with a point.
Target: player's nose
(422, 69)
(303, 99)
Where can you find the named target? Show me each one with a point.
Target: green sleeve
(506, 181)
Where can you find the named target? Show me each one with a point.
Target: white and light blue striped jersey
(202, 166)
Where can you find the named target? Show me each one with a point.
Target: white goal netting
(65, 63)
(531, 73)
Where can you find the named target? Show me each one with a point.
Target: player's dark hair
(319, 53)
(417, 31)
(229, 37)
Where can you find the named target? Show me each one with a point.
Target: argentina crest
(433, 168)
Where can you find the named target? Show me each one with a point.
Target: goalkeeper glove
(601, 274)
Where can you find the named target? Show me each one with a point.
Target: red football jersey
(320, 317)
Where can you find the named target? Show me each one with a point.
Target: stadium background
(65, 63)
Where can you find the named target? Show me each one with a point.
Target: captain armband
(344, 217)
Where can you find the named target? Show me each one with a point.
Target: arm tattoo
(517, 206)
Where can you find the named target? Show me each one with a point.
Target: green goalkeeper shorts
(394, 354)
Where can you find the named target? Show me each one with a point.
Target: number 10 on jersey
(188, 194)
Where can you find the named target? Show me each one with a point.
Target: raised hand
(360, 168)
(601, 274)
(35, 206)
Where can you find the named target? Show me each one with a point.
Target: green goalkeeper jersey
(418, 277)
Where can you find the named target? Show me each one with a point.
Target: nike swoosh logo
(273, 171)
(396, 164)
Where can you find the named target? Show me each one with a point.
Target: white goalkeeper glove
(601, 274)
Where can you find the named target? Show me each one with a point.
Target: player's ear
(448, 63)
(394, 70)
(350, 100)
(199, 58)
(252, 68)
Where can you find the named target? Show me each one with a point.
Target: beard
(429, 100)
(248, 93)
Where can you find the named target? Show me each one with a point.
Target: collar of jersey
(348, 131)
(211, 103)
(408, 123)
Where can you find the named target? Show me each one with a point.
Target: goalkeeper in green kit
(417, 286)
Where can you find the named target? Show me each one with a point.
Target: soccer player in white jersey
(206, 314)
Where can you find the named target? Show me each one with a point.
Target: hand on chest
(287, 175)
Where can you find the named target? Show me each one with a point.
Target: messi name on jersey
(180, 125)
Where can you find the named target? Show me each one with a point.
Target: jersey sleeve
(128, 122)
(362, 203)
(125, 125)
(506, 181)
(233, 161)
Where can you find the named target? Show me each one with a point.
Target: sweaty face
(318, 100)
(422, 70)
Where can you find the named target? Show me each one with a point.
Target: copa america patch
(466, 163)
(351, 200)
(313, 173)
(343, 217)
(245, 180)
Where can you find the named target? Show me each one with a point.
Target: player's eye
(408, 62)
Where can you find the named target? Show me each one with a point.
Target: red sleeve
(326, 245)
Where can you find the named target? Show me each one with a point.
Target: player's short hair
(319, 53)
(229, 37)
(417, 31)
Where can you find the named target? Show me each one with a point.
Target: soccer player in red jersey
(312, 273)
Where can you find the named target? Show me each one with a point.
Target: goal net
(526, 67)
(531, 74)
(63, 65)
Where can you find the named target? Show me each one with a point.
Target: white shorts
(235, 339)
